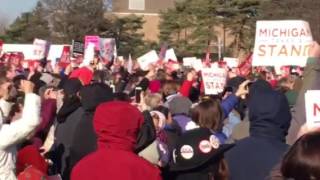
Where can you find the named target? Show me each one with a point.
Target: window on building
(137, 5)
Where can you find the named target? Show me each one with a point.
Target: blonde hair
(153, 100)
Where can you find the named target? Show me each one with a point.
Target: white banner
(231, 62)
(214, 80)
(148, 59)
(88, 55)
(312, 108)
(282, 43)
(188, 61)
(170, 55)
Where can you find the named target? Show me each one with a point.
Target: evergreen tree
(240, 20)
(127, 33)
(191, 25)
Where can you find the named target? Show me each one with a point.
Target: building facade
(148, 9)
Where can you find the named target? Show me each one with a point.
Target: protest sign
(130, 65)
(172, 66)
(88, 55)
(189, 61)
(108, 49)
(231, 62)
(77, 47)
(246, 66)
(40, 49)
(312, 108)
(65, 55)
(170, 55)
(95, 40)
(197, 65)
(281, 43)
(214, 80)
(148, 59)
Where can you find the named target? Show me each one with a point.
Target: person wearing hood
(116, 125)
(91, 96)
(254, 157)
(66, 117)
(13, 133)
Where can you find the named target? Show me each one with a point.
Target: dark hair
(170, 87)
(163, 110)
(121, 96)
(100, 76)
(17, 80)
(302, 162)
(208, 114)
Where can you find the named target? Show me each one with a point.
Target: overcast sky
(13, 8)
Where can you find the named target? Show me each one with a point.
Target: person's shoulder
(139, 161)
(84, 164)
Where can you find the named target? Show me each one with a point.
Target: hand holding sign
(243, 89)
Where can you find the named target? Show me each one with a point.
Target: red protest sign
(246, 66)
(65, 55)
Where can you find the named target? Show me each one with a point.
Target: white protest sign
(148, 59)
(277, 70)
(214, 80)
(88, 55)
(282, 43)
(170, 55)
(231, 62)
(197, 65)
(312, 108)
(188, 61)
(39, 49)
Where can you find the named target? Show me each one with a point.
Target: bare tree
(72, 19)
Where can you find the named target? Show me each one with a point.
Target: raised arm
(11, 134)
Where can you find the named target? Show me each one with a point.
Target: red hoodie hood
(117, 124)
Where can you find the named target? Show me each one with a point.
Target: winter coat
(84, 139)
(311, 81)
(63, 138)
(254, 157)
(11, 134)
(116, 125)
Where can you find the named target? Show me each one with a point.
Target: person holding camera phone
(15, 132)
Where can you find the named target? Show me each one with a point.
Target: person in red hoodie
(116, 125)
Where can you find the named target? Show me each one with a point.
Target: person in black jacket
(83, 138)
(69, 111)
(254, 157)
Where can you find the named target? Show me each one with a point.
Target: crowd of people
(103, 121)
